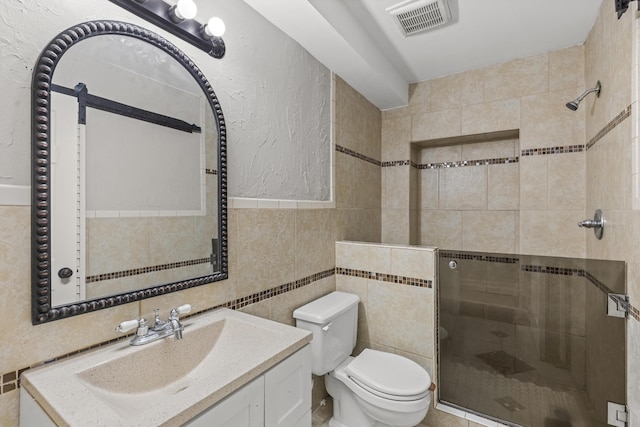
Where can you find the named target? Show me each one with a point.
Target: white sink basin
(166, 382)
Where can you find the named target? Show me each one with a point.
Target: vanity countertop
(167, 382)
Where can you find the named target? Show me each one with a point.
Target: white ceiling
(360, 41)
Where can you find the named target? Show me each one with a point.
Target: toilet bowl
(373, 389)
(388, 389)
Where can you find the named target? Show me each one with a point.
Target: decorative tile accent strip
(463, 163)
(278, 290)
(478, 257)
(352, 153)
(552, 150)
(211, 171)
(10, 380)
(610, 126)
(398, 163)
(421, 283)
(633, 311)
(591, 278)
(143, 270)
(553, 270)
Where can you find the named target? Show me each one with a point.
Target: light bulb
(185, 9)
(215, 27)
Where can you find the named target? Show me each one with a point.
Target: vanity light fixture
(184, 9)
(178, 19)
(214, 27)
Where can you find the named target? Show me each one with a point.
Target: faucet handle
(183, 309)
(127, 326)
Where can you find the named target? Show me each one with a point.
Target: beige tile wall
(358, 182)
(609, 58)
(543, 193)
(474, 207)
(392, 317)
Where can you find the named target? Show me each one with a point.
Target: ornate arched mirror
(129, 172)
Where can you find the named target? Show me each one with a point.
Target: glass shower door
(526, 340)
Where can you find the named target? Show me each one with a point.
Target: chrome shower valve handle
(597, 223)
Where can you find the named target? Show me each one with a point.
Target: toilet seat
(389, 376)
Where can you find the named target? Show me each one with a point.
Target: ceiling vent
(416, 16)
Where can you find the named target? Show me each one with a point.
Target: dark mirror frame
(41, 308)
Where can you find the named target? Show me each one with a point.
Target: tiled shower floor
(479, 371)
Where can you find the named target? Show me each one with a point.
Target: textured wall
(279, 132)
(267, 248)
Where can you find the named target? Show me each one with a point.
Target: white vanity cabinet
(229, 369)
(244, 408)
(281, 397)
(287, 391)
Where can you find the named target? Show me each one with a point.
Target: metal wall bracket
(617, 414)
(618, 305)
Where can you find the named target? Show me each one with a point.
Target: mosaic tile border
(143, 270)
(552, 150)
(624, 114)
(357, 155)
(278, 290)
(590, 277)
(11, 380)
(464, 163)
(633, 311)
(382, 277)
(478, 257)
(561, 271)
(399, 163)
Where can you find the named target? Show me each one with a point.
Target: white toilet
(374, 389)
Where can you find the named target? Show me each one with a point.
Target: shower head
(573, 105)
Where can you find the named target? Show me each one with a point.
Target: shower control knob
(597, 223)
(588, 223)
(65, 273)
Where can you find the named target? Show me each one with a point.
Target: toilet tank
(333, 320)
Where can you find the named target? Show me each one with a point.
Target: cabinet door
(31, 413)
(244, 408)
(288, 391)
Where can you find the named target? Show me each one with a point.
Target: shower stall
(527, 341)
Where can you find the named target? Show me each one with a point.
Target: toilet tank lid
(327, 307)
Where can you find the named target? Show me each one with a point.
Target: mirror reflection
(134, 172)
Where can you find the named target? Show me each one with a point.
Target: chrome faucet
(160, 329)
(176, 326)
